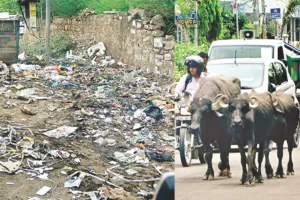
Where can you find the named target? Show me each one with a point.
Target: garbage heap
(85, 127)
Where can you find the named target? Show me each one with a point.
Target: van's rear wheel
(186, 142)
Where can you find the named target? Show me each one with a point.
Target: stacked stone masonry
(134, 38)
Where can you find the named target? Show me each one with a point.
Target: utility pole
(41, 19)
(47, 31)
(264, 25)
(177, 31)
(256, 18)
(237, 19)
(196, 25)
(181, 34)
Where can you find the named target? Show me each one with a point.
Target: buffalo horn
(275, 101)
(219, 103)
(256, 102)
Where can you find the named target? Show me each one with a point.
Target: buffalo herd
(221, 114)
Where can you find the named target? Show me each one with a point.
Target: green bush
(37, 48)
(59, 45)
(181, 52)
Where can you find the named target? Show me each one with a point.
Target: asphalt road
(189, 184)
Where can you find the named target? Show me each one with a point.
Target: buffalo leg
(209, 175)
(243, 163)
(254, 168)
(223, 165)
(250, 180)
(269, 169)
(290, 167)
(258, 176)
(279, 172)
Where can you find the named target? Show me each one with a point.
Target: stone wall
(135, 38)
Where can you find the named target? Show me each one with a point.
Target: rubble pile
(89, 126)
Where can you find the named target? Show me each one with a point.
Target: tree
(10, 6)
(209, 18)
(65, 8)
(288, 14)
(229, 22)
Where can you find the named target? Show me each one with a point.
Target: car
(259, 74)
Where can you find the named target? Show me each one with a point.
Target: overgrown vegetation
(10, 6)
(69, 8)
(60, 44)
(182, 51)
(209, 18)
(288, 14)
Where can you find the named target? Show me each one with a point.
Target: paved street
(189, 183)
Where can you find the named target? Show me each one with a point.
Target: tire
(186, 142)
(296, 136)
(201, 155)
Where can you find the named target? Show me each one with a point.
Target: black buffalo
(287, 118)
(252, 122)
(210, 118)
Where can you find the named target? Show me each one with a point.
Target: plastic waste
(101, 141)
(30, 68)
(75, 181)
(9, 167)
(139, 114)
(21, 56)
(137, 126)
(159, 157)
(34, 198)
(44, 190)
(55, 84)
(154, 112)
(131, 171)
(62, 131)
(26, 93)
(16, 68)
(98, 47)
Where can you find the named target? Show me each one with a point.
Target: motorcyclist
(190, 81)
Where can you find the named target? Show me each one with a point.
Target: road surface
(189, 184)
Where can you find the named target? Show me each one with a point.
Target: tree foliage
(182, 51)
(209, 18)
(229, 22)
(289, 11)
(10, 6)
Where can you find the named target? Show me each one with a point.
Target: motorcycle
(188, 144)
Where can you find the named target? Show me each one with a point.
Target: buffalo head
(202, 108)
(238, 109)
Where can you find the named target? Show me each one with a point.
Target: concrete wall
(133, 38)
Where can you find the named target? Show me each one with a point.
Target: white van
(259, 74)
(244, 48)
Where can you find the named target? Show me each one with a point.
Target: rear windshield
(251, 75)
(240, 51)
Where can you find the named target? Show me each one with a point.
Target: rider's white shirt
(191, 87)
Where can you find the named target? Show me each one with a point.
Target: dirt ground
(67, 107)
